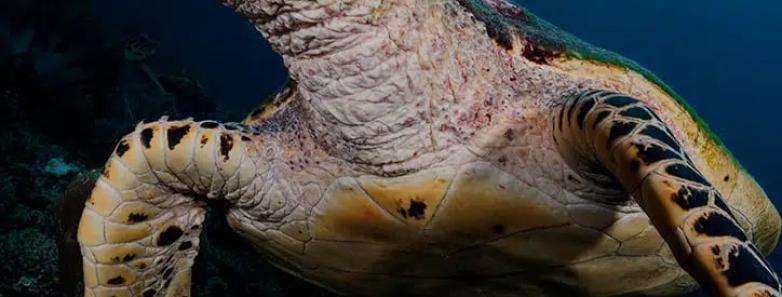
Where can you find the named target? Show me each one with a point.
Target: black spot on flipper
(726, 178)
(653, 153)
(185, 245)
(136, 217)
(620, 129)
(128, 257)
(582, 113)
(620, 101)
(167, 272)
(107, 171)
(226, 144)
(122, 148)
(169, 236)
(600, 117)
(637, 112)
(146, 137)
(715, 250)
(760, 256)
(175, 135)
(561, 118)
(592, 93)
(572, 109)
(689, 198)
(167, 283)
(663, 136)
(149, 293)
(116, 281)
(745, 268)
(685, 172)
(716, 225)
(498, 229)
(719, 203)
(209, 125)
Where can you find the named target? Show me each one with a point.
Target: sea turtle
(439, 148)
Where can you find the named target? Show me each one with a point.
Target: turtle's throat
(301, 29)
(363, 67)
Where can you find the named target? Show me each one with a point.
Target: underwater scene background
(75, 75)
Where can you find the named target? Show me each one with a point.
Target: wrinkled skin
(414, 155)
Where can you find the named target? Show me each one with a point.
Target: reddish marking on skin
(538, 54)
(480, 117)
(461, 119)
(508, 134)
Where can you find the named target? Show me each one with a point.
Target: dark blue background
(722, 56)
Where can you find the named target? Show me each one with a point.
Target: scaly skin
(607, 131)
(414, 154)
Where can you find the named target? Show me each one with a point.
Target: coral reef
(29, 263)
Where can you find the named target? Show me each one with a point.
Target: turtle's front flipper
(139, 229)
(619, 139)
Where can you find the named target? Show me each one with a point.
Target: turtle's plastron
(139, 229)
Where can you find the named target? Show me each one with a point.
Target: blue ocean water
(721, 56)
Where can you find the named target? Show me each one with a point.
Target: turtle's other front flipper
(139, 228)
(618, 140)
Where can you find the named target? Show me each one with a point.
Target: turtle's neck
(376, 74)
(305, 29)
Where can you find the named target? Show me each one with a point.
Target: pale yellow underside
(478, 223)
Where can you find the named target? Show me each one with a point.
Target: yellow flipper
(622, 140)
(273, 104)
(139, 229)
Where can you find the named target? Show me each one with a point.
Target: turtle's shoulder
(545, 43)
(542, 41)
